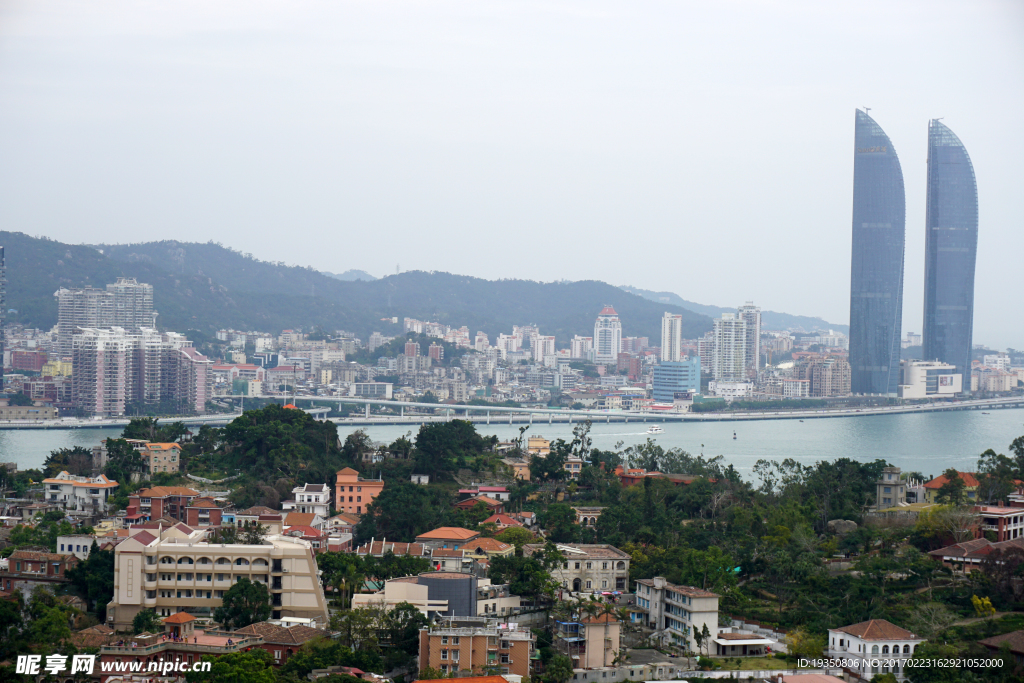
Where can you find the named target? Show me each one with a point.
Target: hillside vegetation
(207, 287)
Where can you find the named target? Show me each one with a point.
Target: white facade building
(607, 336)
(671, 338)
(876, 646)
(78, 546)
(729, 355)
(86, 494)
(929, 379)
(315, 498)
(677, 611)
(751, 315)
(731, 390)
(582, 347)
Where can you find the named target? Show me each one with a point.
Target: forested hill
(207, 287)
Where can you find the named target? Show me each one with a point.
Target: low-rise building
(929, 379)
(27, 569)
(83, 494)
(451, 537)
(203, 512)
(161, 457)
(353, 493)
(589, 567)
(971, 484)
(172, 569)
(591, 643)
(75, 545)
(873, 645)
(315, 498)
(1006, 523)
(680, 612)
(476, 645)
(487, 549)
(1013, 641)
(279, 640)
(160, 501)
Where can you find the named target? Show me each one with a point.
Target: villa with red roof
(88, 494)
(452, 537)
(872, 645)
(971, 484)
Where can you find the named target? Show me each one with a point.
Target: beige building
(476, 645)
(162, 457)
(589, 567)
(491, 600)
(678, 612)
(174, 569)
(35, 413)
(592, 643)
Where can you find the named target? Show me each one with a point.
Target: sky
(703, 148)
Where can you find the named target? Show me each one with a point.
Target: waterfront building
(671, 337)
(85, 494)
(929, 379)
(115, 368)
(876, 281)
(673, 378)
(951, 247)
(751, 315)
(729, 353)
(607, 336)
(890, 491)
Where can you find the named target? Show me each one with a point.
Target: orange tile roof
(347, 470)
(164, 491)
(878, 629)
(179, 618)
(448, 532)
(968, 477)
(501, 520)
(487, 545)
(202, 503)
(299, 518)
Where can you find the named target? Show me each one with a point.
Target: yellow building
(56, 368)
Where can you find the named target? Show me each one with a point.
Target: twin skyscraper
(879, 242)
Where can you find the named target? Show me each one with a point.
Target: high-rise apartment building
(951, 246)
(607, 336)
(125, 303)
(751, 314)
(581, 347)
(876, 280)
(729, 357)
(3, 312)
(116, 370)
(671, 338)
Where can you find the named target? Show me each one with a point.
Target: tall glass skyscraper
(951, 246)
(876, 282)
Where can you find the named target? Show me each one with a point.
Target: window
(455, 655)
(577, 565)
(504, 658)
(906, 649)
(590, 565)
(604, 583)
(455, 640)
(444, 654)
(874, 649)
(885, 649)
(444, 640)
(888, 489)
(359, 499)
(604, 565)
(350, 489)
(359, 488)
(590, 584)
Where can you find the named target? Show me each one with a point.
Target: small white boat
(655, 429)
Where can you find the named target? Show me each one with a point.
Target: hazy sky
(700, 147)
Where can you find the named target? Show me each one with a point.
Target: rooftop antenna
(867, 110)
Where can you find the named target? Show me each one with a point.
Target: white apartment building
(124, 303)
(589, 567)
(607, 336)
(581, 347)
(315, 498)
(174, 569)
(671, 338)
(871, 641)
(751, 315)
(84, 494)
(678, 612)
(729, 355)
(998, 360)
(732, 390)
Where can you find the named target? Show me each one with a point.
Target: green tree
(952, 492)
(93, 579)
(245, 603)
(252, 666)
(558, 670)
(76, 461)
(517, 536)
(995, 477)
(146, 621)
(122, 461)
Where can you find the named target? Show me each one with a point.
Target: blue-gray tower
(876, 281)
(950, 251)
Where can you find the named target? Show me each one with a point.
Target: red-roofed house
(873, 641)
(502, 521)
(931, 488)
(203, 512)
(353, 493)
(79, 493)
(160, 501)
(495, 506)
(452, 537)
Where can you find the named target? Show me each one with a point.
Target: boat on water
(655, 429)
(734, 435)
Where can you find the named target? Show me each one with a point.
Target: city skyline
(394, 131)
